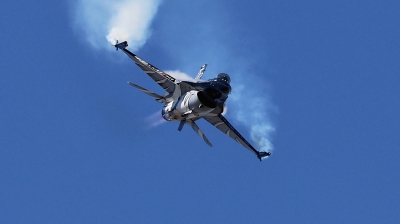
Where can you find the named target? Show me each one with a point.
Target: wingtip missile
(121, 45)
(263, 155)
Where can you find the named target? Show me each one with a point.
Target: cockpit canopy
(225, 77)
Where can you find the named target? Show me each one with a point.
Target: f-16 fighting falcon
(186, 102)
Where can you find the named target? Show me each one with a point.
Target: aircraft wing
(223, 125)
(167, 82)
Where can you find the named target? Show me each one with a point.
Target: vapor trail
(154, 120)
(214, 39)
(252, 108)
(100, 21)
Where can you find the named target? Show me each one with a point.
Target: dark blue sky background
(75, 146)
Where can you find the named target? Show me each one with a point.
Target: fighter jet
(188, 101)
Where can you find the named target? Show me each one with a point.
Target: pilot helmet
(225, 77)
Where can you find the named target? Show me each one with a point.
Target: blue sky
(75, 146)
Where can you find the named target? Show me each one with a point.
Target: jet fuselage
(202, 99)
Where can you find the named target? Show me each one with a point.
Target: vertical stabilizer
(201, 72)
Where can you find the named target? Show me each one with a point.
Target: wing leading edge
(167, 82)
(223, 125)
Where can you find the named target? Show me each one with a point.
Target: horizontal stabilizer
(158, 98)
(200, 133)
(121, 45)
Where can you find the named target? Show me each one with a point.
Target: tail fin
(201, 72)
